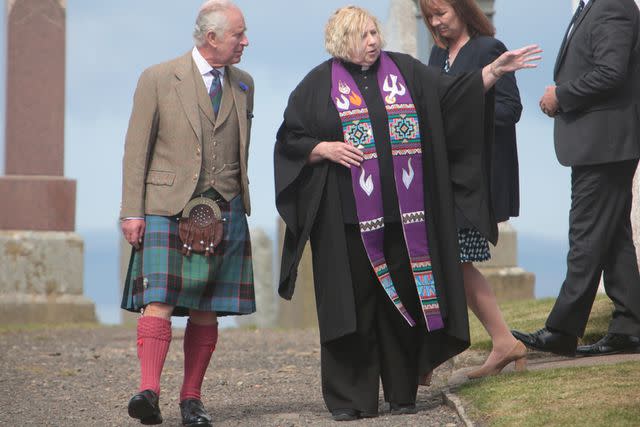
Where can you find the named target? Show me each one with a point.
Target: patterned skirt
(223, 282)
(473, 246)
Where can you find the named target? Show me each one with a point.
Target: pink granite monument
(40, 254)
(39, 197)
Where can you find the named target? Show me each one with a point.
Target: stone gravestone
(41, 257)
(300, 312)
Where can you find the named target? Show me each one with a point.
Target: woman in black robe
(464, 43)
(363, 337)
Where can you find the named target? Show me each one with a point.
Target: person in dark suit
(464, 42)
(596, 107)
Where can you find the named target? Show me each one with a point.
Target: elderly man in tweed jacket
(188, 138)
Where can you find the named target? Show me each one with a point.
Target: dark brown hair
(467, 11)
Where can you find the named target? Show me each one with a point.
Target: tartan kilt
(222, 282)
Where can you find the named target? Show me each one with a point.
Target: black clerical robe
(456, 122)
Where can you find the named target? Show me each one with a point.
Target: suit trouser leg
(383, 344)
(600, 203)
(622, 278)
(350, 365)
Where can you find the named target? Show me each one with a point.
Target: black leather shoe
(545, 340)
(402, 408)
(144, 406)
(611, 344)
(346, 414)
(193, 413)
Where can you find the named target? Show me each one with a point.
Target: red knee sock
(199, 343)
(154, 337)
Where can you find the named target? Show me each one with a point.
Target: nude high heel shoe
(518, 354)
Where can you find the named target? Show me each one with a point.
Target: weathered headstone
(40, 255)
(300, 312)
(401, 27)
(508, 281)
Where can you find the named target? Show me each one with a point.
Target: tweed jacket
(164, 142)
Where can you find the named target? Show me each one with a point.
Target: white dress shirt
(586, 2)
(205, 69)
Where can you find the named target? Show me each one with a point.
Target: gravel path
(85, 376)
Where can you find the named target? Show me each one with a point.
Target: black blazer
(505, 187)
(597, 74)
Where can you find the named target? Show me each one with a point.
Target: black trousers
(600, 242)
(384, 345)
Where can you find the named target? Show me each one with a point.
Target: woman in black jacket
(464, 42)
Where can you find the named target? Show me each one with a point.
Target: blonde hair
(344, 30)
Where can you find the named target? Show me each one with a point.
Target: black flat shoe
(194, 414)
(611, 344)
(546, 340)
(402, 408)
(346, 414)
(145, 407)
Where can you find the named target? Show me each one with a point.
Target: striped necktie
(575, 17)
(215, 93)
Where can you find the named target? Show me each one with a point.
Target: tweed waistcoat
(220, 146)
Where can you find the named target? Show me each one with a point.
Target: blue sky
(110, 43)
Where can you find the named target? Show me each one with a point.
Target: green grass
(592, 396)
(606, 395)
(530, 315)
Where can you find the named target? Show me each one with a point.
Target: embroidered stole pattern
(406, 151)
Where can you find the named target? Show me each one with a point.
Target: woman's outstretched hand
(509, 61)
(514, 60)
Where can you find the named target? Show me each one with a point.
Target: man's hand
(338, 152)
(549, 102)
(133, 231)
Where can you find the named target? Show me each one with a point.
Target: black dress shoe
(193, 413)
(545, 340)
(346, 414)
(611, 344)
(144, 406)
(402, 408)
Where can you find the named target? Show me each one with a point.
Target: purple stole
(407, 166)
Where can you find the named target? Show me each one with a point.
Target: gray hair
(211, 17)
